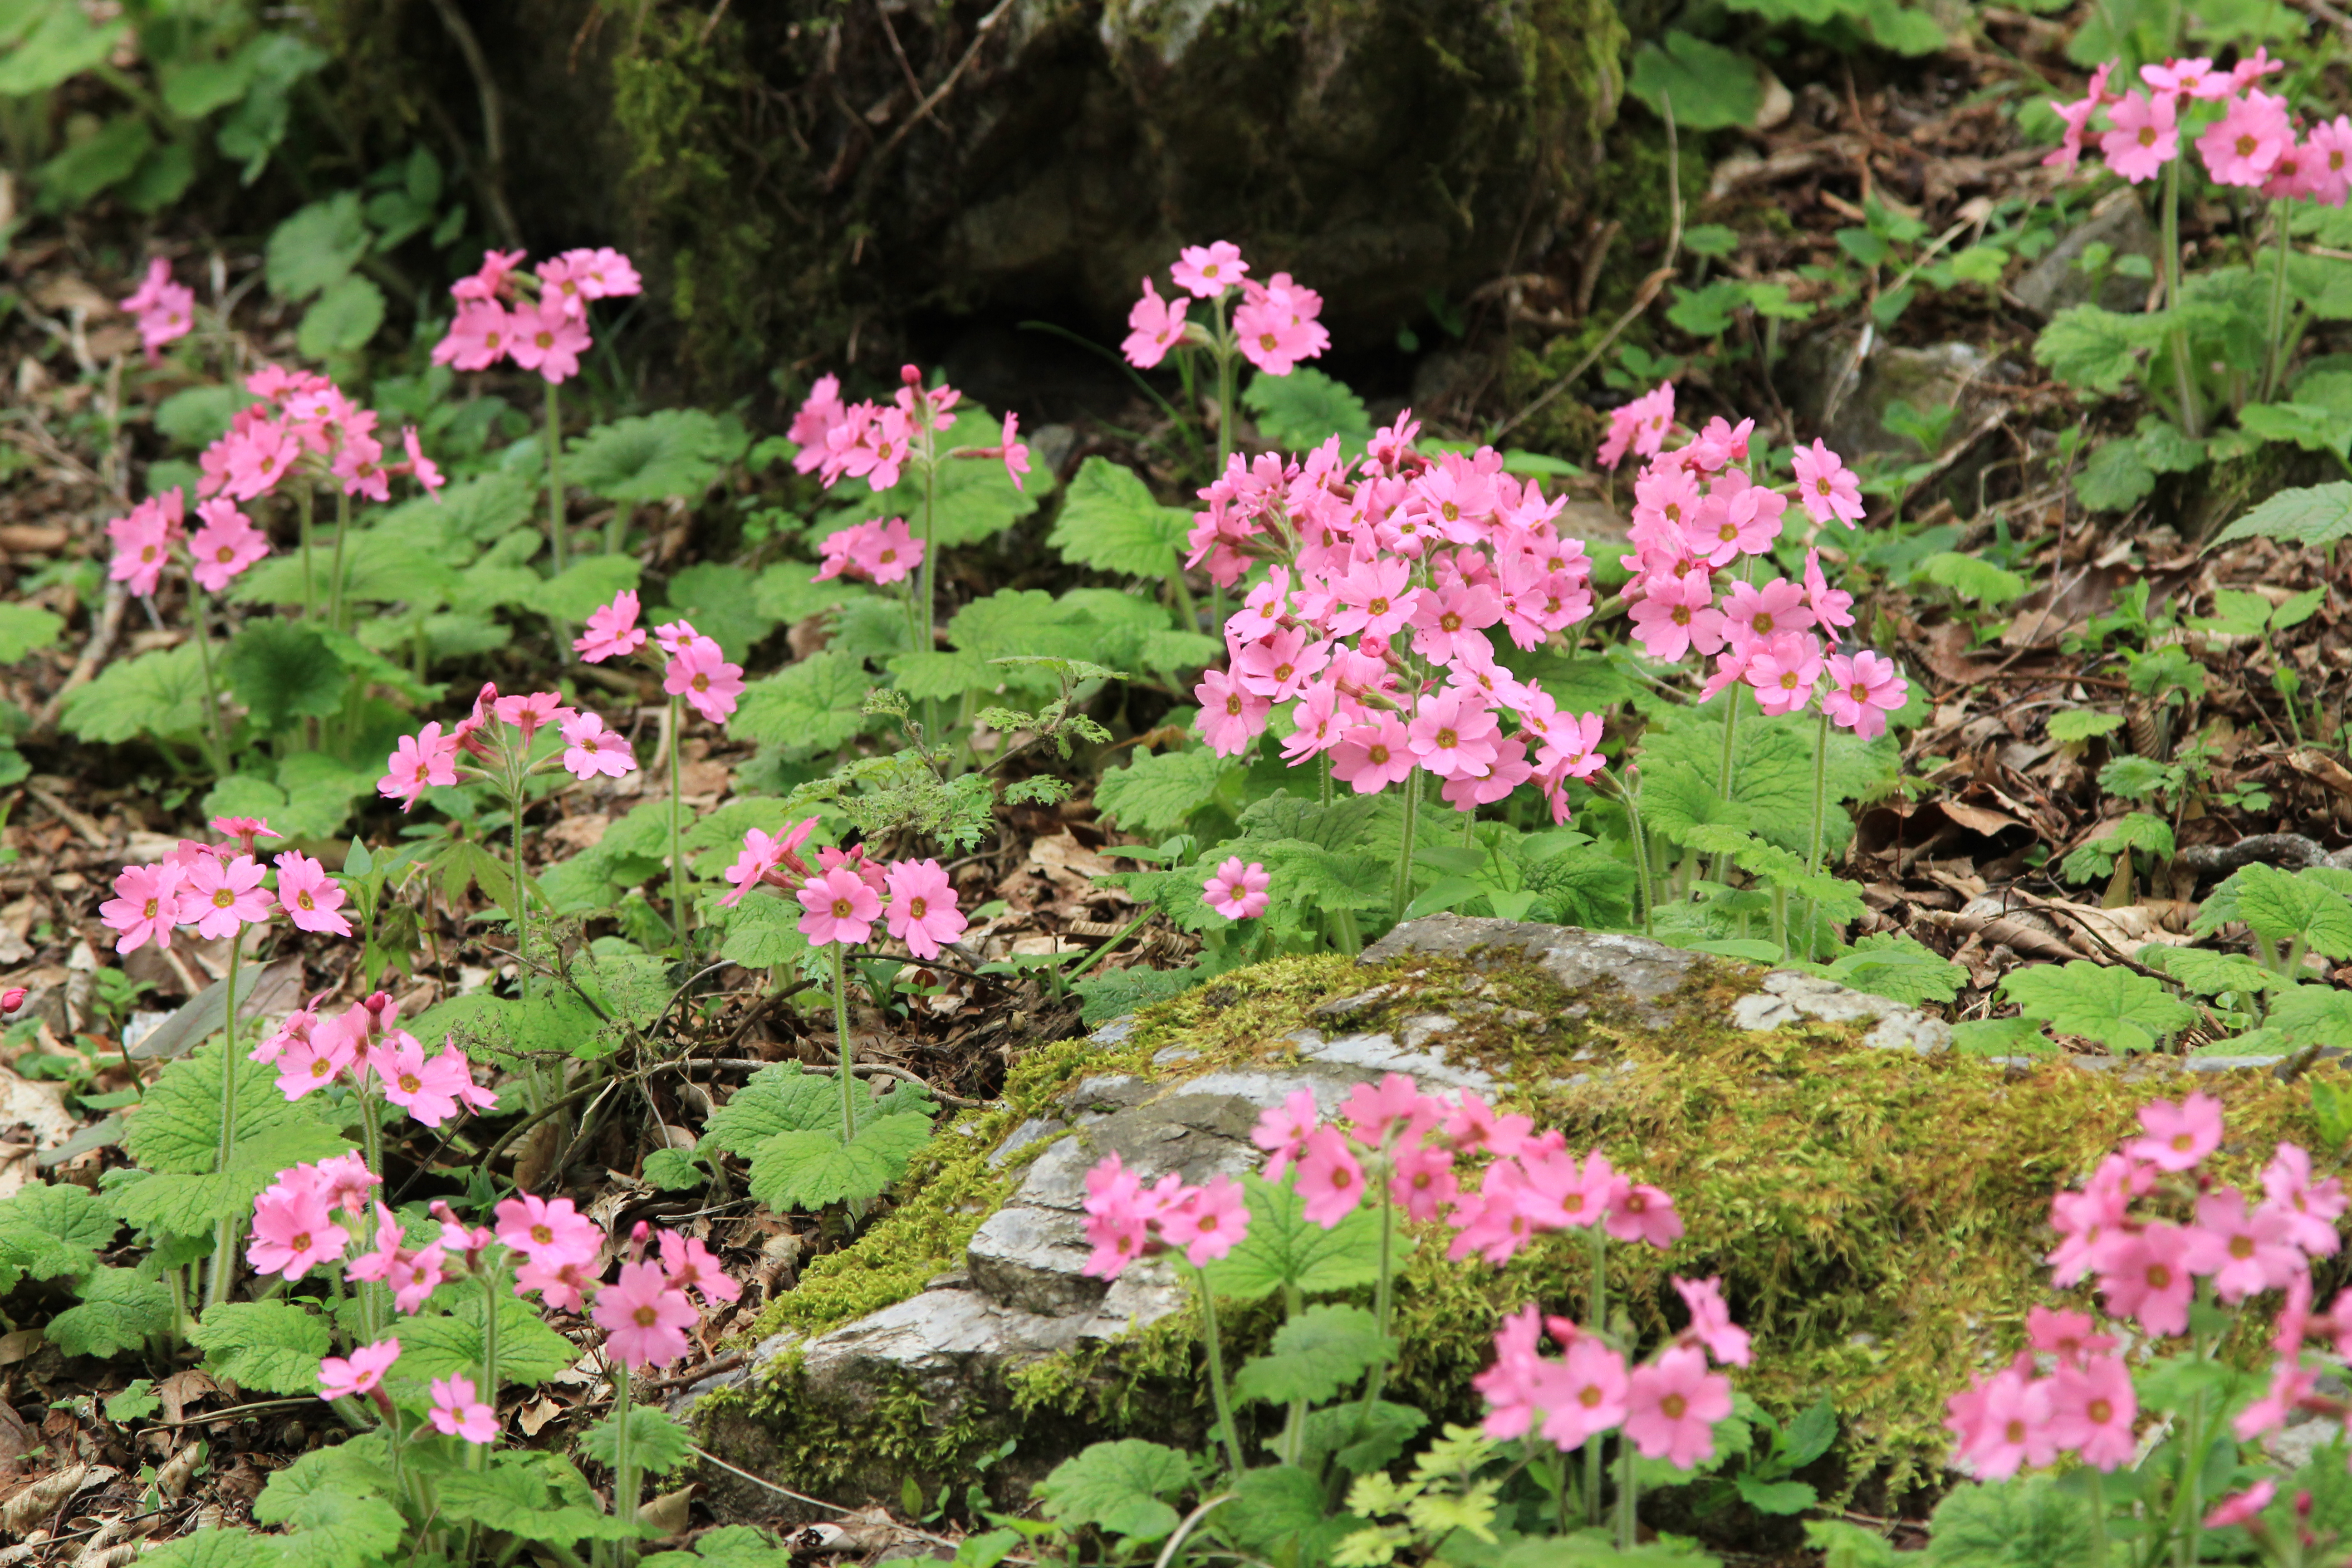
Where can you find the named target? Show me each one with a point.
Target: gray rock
(1035, 1130)
(1029, 1258)
(1789, 995)
(2054, 282)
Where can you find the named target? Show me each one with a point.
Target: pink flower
(550, 1231)
(1275, 326)
(1496, 1225)
(2077, 117)
(2011, 1426)
(1863, 691)
(345, 1182)
(143, 541)
(1775, 609)
(1516, 1387)
(1451, 623)
(2150, 1275)
(1783, 671)
(222, 899)
(1329, 1178)
(2240, 147)
(1644, 1213)
(145, 906)
(488, 280)
(1591, 1395)
(2330, 163)
(2145, 136)
(883, 553)
(2241, 1507)
(2258, 1246)
(482, 335)
(421, 760)
(13, 998)
(1208, 1222)
(531, 712)
(603, 273)
(313, 1062)
(339, 1378)
(456, 1413)
(922, 911)
(2066, 1335)
(1561, 1193)
(1676, 612)
(563, 1285)
(703, 676)
(381, 1262)
(2312, 1209)
(1640, 425)
(841, 908)
(1283, 1128)
(1015, 455)
(2178, 1136)
(1826, 486)
(1831, 608)
(591, 749)
(548, 340)
(1374, 597)
(1278, 665)
(416, 1277)
(1373, 755)
(309, 896)
(1204, 272)
(1153, 327)
(430, 1090)
(613, 630)
(1672, 1406)
(225, 546)
(1237, 891)
(293, 1232)
(166, 311)
(1117, 1218)
(245, 830)
(2091, 1408)
(1452, 735)
(1231, 715)
(690, 1266)
(428, 474)
(763, 858)
(1474, 1128)
(1424, 1185)
(1393, 1106)
(1711, 1323)
(644, 1317)
(2190, 77)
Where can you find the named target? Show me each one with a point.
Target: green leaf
(1809, 1437)
(2095, 350)
(1774, 1497)
(816, 705)
(2079, 724)
(1844, 1546)
(1314, 1355)
(136, 1402)
(656, 1442)
(1158, 792)
(2209, 973)
(2028, 1523)
(2313, 1016)
(2314, 429)
(514, 1496)
(1119, 1487)
(1278, 1513)
(160, 693)
(342, 319)
(220, 1549)
(2123, 1011)
(272, 1347)
(63, 44)
(674, 1171)
(316, 248)
(652, 456)
(723, 605)
(356, 1467)
(332, 1529)
(1297, 413)
(178, 1127)
(2018, 1037)
(2279, 907)
(90, 166)
(789, 593)
(1110, 521)
(282, 672)
(52, 1229)
(529, 1350)
(2115, 478)
(1978, 581)
(1899, 968)
(2312, 518)
(809, 1170)
(1284, 1248)
(120, 1310)
(586, 585)
(777, 1099)
(1703, 87)
(27, 628)
(762, 932)
(1358, 1443)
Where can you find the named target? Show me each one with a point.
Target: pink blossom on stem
(166, 311)
(456, 1413)
(1237, 891)
(421, 760)
(2145, 136)
(483, 334)
(1231, 715)
(841, 908)
(644, 1317)
(2240, 147)
(2178, 1137)
(1826, 486)
(1329, 1178)
(2092, 1410)
(590, 749)
(225, 546)
(1675, 614)
(309, 896)
(1204, 272)
(548, 1230)
(613, 630)
(703, 676)
(222, 897)
(1672, 1406)
(1208, 1222)
(1424, 1185)
(922, 911)
(293, 1232)
(1282, 1130)
(1863, 691)
(145, 907)
(361, 1372)
(1711, 1323)
(1153, 327)
(2240, 1508)
(548, 340)
(1591, 1395)
(1639, 427)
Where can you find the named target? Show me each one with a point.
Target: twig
(94, 653)
(1642, 297)
(90, 832)
(494, 154)
(1953, 454)
(231, 1414)
(923, 109)
(711, 1368)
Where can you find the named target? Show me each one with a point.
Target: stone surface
(2119, 221)
(1022, 1294)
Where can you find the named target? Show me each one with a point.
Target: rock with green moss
(1875, 1204)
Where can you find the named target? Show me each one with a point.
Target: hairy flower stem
(677, 828)
(1626, 1523)
(1218, 1396)
(2275, 355)
(491, 1279)
(1596, 1317)
(1403, 892)
(557, 546)
(370, 1293)
(225, 1234)
(2184, 375)
(841, 1043)
(302, 506)
(2098, 1500)
(1641, 857)
(521, 899)
(335, 565)
(1820, 817)
(1724, 768)
(213, 725)
(624, 1477)
(1383, 1298)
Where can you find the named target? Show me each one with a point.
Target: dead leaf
(669, 1512)
(16, 1437)
(534, 1416)
(29, 1507)
(183, 1389)
(16, 1347)
(172, 1479)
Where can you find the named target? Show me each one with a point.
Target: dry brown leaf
(669, 1512)
(183, 1389)
(534, 1416)
(172, 1479)
(42, 1498)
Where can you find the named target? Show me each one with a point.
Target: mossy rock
(1875, 1204)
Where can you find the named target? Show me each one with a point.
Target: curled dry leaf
(31, 1507)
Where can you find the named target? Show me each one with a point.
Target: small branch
(923, 109)
(94, 653)
(494, 154)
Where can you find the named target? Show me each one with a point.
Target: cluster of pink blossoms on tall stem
(2161, 1240)
(842, 897)
(1383, 577)
(165, 311)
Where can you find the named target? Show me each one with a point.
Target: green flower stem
(624, 1478)
(370, 1293)
(1217, 1394)
(559, 548)
(1596, 1309)
(213, 725)
(2184, 375)
(226, 1233)
(1383, 1297)
(1188, 613)
(1821, 818)
(1626, 1523)
(677, 827)
(521, 898)
(2098, 1516)
(1404, 893)
(1641, 857)
(303, 502)
(841, 1041)
(492, 1279)
(1724, 767)
(335, 568)
(2275, 355)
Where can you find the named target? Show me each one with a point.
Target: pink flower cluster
(696, 667)
(1698, 512)
(311, 1053)
(845, 893)
(2149, 1225)
(875, 442)
(871, 552)
(430, 759)
(217, 888)
(1126, 1220)
(2248, 137)
(1667, 1405)
(1274, 325)
(540, 321)
(166, 311)
(1372, 621)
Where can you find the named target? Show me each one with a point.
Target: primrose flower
(225, 546)
(425, 760)
(294, 1231)
(2178, 1136)
(590, 749)
(341, 1377)
(548, 1230)
(1154, 326)
(456, 1413)
(644, 1317)
(1207, 1222)
(1826, 487)
(690, 1266)
(700, 674)
(1205, 272)
(613, 630)
(166, 311)
(2146, 137)
(2241, 148)
(1237, 891)
(922, 913)
(841, 908)
(145, 907)
(1672, 1406)
(309, 896)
